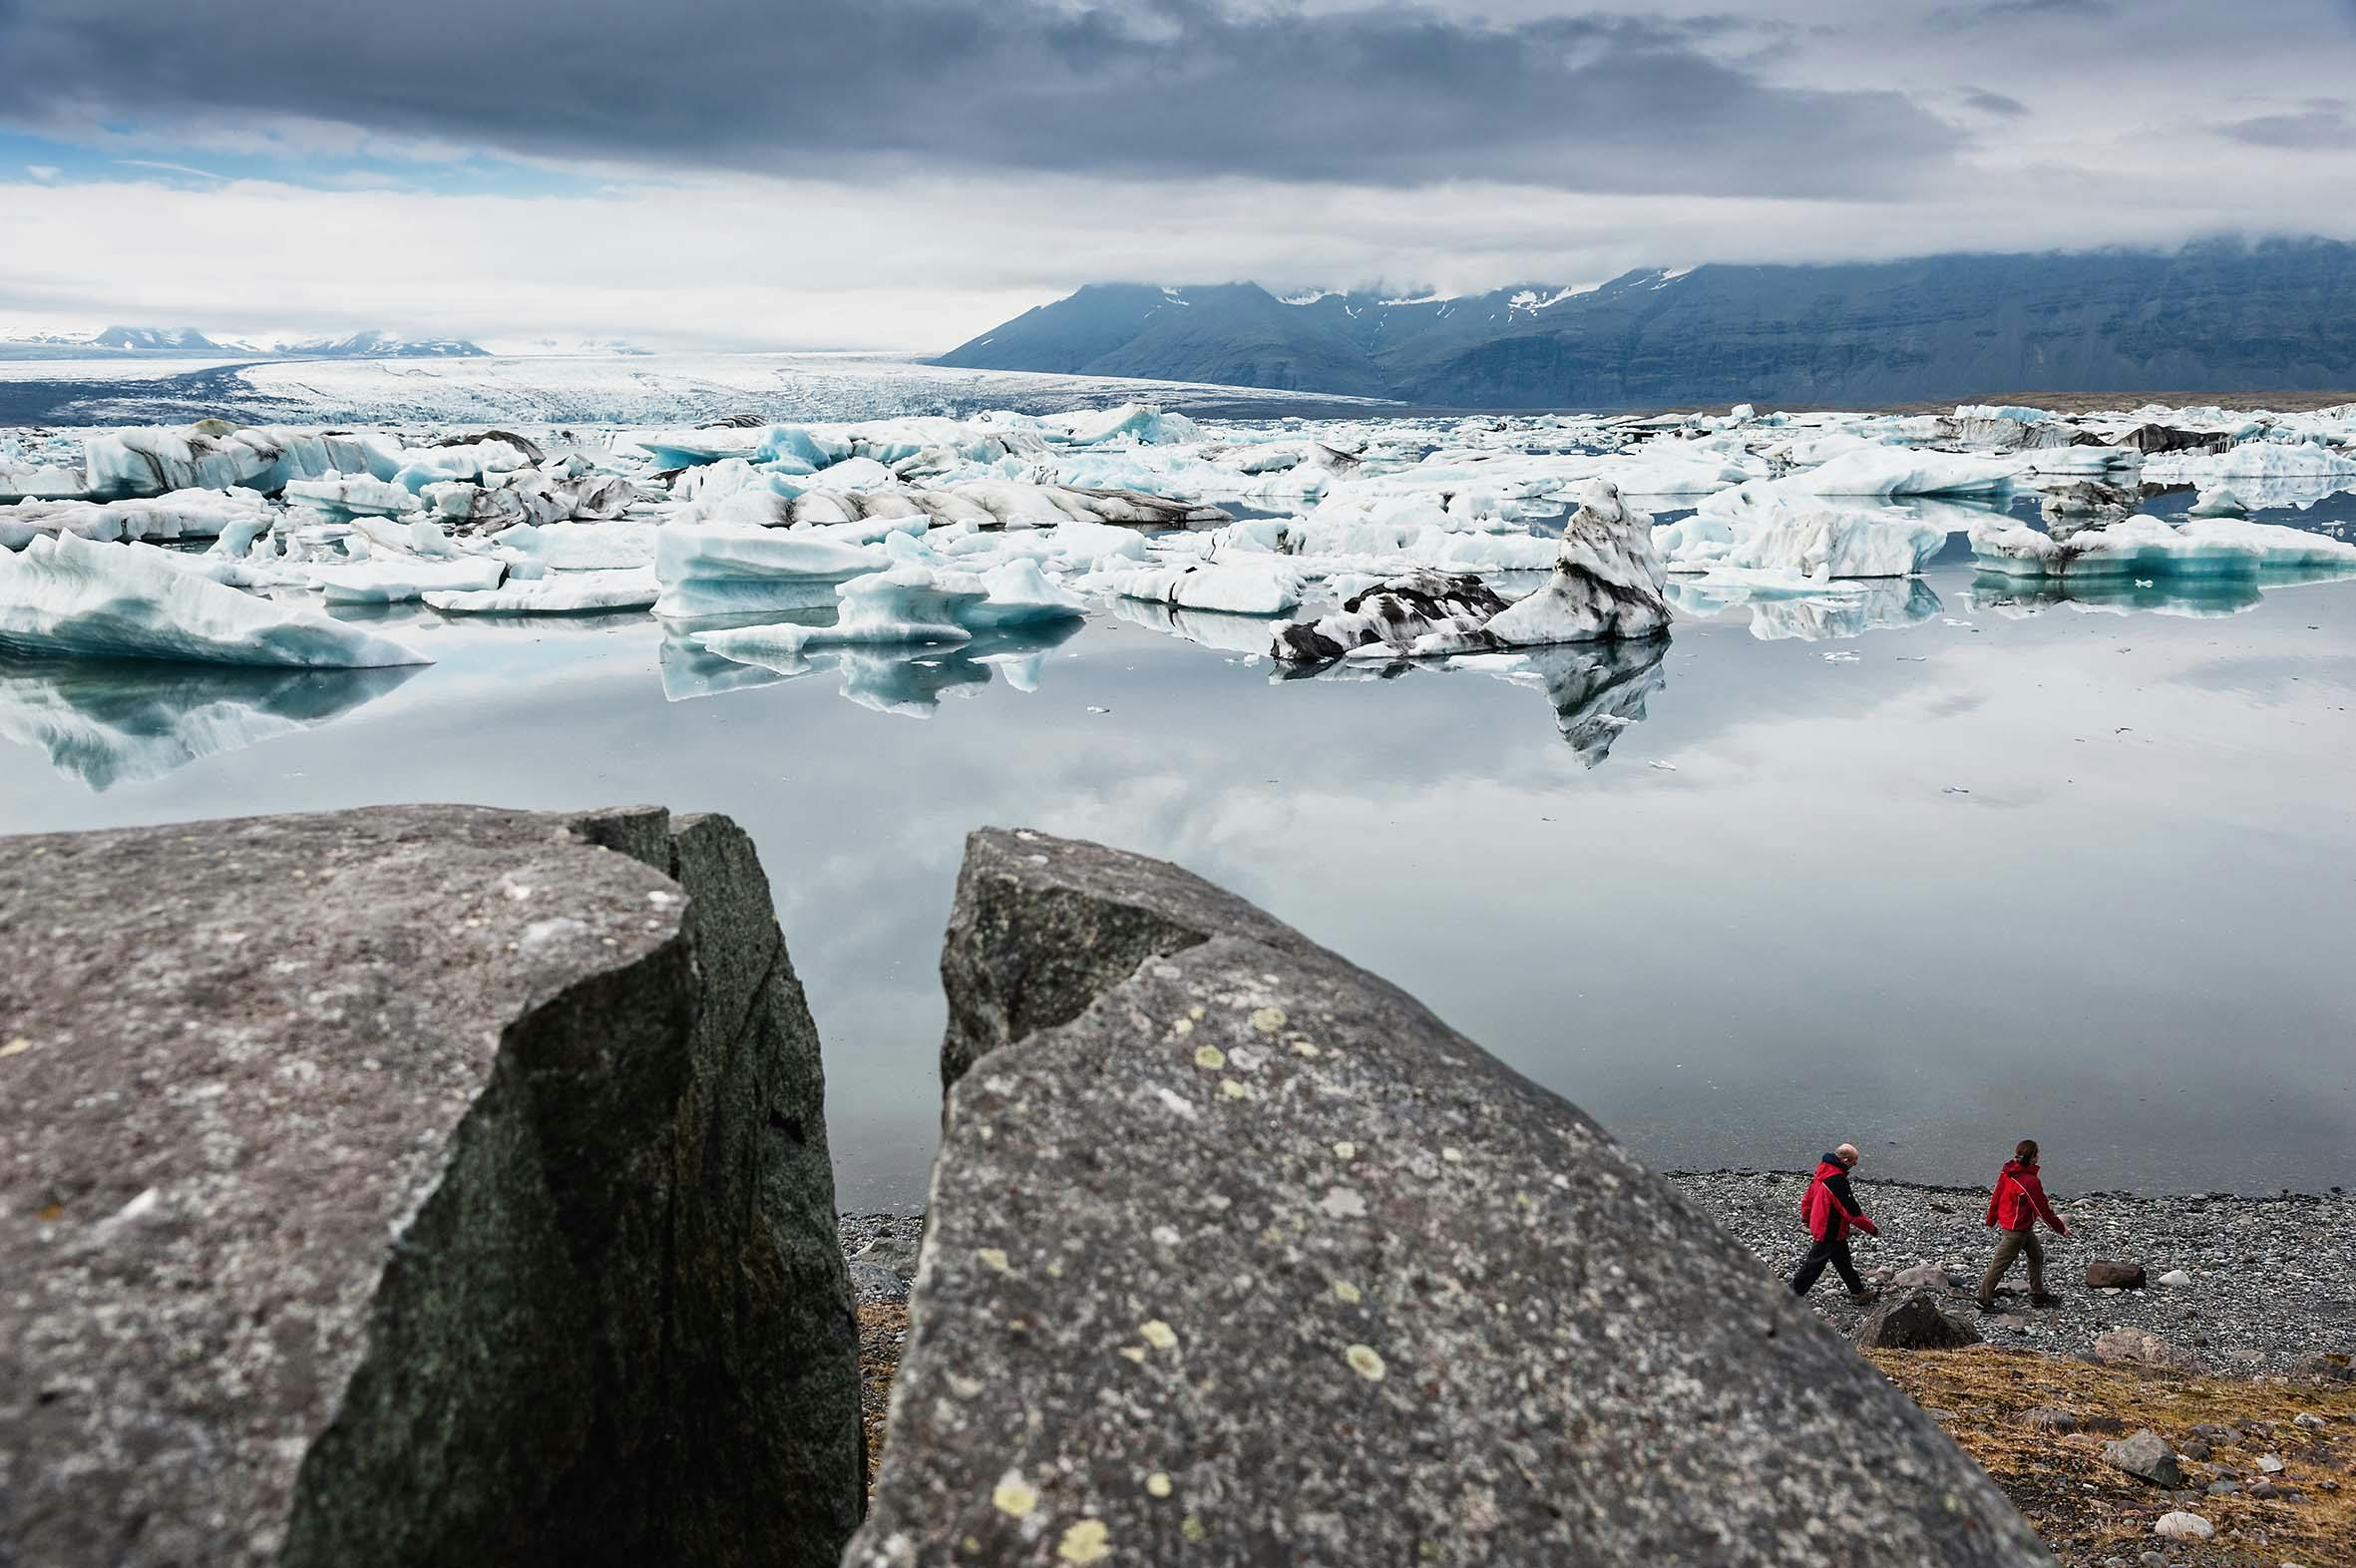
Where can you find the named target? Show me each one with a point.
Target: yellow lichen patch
(1365, 1362)
(1135, 1352)
(16, 1047)
(1233, 1088)
(1184, 1026)
(1452, 1156)
(1209, 1058)
(1158, 1485)
(1346, 1151)
(1085, 1542)
(1268, 1020)
(1192, 1528)
(1015, 1495)
(1159, 1335)
(1306, 1049)
(993, 1258)
(1344, 1291)
(1195, 1012)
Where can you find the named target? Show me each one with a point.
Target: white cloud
(44, 173)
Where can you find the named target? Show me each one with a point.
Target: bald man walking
(1832, 1212)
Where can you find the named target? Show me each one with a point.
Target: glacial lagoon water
(2000, 867)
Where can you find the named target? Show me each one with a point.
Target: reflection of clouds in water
(109, 724)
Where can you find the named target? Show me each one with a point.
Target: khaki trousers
(2009, 1247)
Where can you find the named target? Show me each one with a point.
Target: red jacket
(2018, 1202)
(1829, 1207)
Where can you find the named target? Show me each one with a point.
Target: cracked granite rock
(1235, 1254)
(414, 1185)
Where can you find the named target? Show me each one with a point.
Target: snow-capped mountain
(2219, 317)
(376, 344)
(155, 340)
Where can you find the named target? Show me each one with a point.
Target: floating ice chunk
(470, 460)
(560, 593)
(352, 495)
(1247, 634)
(1836, 543)
(2255, 460)
(1385, 621)
(209, 455)
(2149, 546)
(69, 598)
(398, 580)
(1134, 421)
(1019, 594)
(181, 514)
(582, 547)
(2218, 503)
(1238, 588)
(1607, 582)
(909, 603)
(717, 569)
(1895, 470)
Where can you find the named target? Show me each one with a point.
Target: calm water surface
(1999, 870)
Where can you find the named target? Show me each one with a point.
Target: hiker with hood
(1831, 1211)
(2016, 1206)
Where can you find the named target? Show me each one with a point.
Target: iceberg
(1804, 541)
(399, 579)
(559, 594)
(1236, 588)
(909, 603)
(1895, 470)
(1389, 617)
(1606, 584)
(581, 546)
(348, 496)
(720, 569)
(2147, 547)
(181, 514)
(68, 597)
(211, 455)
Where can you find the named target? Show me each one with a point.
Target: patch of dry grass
(883, 1330)
(2087, 1511)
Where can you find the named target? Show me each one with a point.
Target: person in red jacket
(2016, 1206)
(1832, 1212)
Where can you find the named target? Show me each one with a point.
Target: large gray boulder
(426, 1185)
(1238, 1255)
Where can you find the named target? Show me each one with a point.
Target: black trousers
(1812, 1268)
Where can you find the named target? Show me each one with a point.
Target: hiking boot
(2045, 1298)
(1987, 1306)
(1861, 1297)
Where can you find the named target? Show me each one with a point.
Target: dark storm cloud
(1140, 88)
(1976, 13)
(1989, 103)
(2321, 124)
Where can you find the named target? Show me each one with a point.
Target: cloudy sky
(903, 173)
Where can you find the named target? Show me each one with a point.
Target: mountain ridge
(2279, 315)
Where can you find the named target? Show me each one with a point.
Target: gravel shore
(2272, 1279)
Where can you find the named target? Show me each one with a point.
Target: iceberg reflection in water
(909, 680)
(115, 722)
(2196, 598)
(1860, 606)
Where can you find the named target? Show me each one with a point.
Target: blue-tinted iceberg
(67, 598)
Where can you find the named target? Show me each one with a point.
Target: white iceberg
(352, 496)
(1895, 470)
(2150, 547)
(400, 579)
(559, 594)
(1236, 588)
(719, 569)
(68, 597)
(181, 514)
